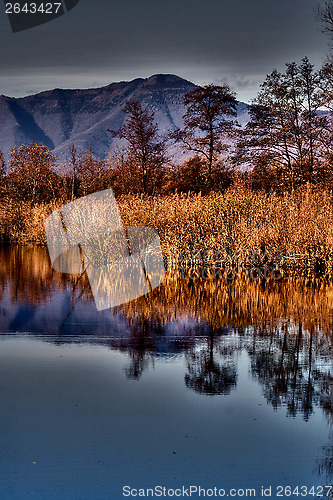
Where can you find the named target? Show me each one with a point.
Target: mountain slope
(59, 118)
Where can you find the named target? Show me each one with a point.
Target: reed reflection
(27, 276)
(285, 326)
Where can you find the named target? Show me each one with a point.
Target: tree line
(287, 142)
(143, 166)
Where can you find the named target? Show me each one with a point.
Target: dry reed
(238, 229)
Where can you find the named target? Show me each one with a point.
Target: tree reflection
(141, 347)
(324, 381)
(207, 371)
(282, 363)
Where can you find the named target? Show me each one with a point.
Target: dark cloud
(102, 41)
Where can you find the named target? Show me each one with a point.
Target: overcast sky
(102, 41)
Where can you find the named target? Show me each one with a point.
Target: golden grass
(240, 228)
(23, 222)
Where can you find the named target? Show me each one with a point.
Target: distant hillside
(59, 118)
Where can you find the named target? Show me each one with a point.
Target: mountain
(59, 118)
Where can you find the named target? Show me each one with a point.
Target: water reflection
(282, 362)
(211, 368)
(285, 328)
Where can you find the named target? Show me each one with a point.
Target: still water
(201, 384)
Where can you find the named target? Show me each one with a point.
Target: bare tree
(208, 122)
(325, 16)
(286, 131)
(147, 149)
(93, 174)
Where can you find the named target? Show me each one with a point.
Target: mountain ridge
(59, 118)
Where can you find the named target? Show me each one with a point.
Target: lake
(223, 386)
